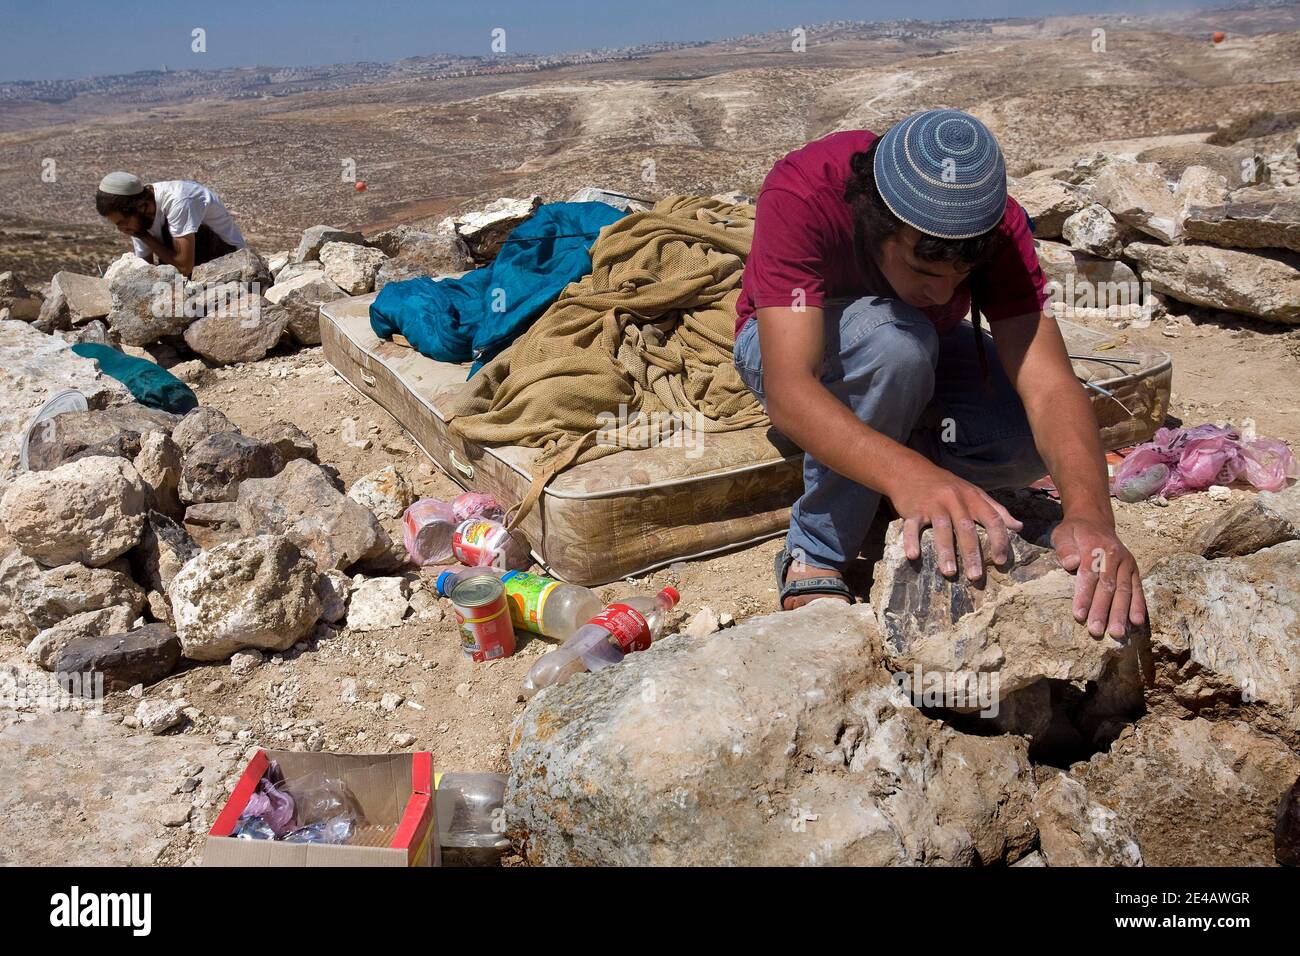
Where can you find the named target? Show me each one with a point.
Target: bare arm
(1109, 589)
(182, 256)
(801, 407)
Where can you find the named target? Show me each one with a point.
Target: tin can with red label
(481, 542)
(486, 632)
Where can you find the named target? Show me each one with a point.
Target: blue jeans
(885, 360)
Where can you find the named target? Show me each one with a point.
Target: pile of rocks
(239, 307)
(1212, 226)
(811, 736)
(139, 540)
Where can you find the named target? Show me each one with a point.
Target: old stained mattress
(639, 509)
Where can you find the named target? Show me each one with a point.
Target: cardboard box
(395, 792)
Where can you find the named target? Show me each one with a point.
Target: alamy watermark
(640, 429)
(1120, 300)
(60, 690)
(951, 690)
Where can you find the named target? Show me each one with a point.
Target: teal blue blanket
(151, 384)
(477, 315)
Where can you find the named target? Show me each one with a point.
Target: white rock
(243, 663)
(89, 511)
(351, 267)
(253, 592)
(34, 368)
(385, 492)
(378, 603)
(158, 716)
(704, 623)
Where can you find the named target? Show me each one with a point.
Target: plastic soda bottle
(538, 604)
(471, 818)
(623, 627)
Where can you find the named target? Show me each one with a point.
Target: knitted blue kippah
(941, 172)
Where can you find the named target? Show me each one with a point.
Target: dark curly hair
(106, 203)
(873, 222)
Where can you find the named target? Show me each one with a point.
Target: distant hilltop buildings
(145, 87)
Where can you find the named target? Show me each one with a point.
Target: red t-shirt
(803, 239)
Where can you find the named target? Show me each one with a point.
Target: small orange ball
(361, 185)
(1219, 36)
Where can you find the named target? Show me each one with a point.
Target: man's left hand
(1108, 591)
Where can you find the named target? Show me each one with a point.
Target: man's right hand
(927, 495)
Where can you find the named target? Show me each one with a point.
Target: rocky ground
(1185, 214)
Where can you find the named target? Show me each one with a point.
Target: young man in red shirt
(868, 252)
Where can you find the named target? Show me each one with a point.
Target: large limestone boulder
(239, 328)
(1018, 624)
(1263, 520)
(88, 511)
(417, 252)
(34, 368)
(46, 647)
(1199, 187)
(484, 230)
(115, 432)
(243, 266)
(1094, 230)
(1049, 202)
(1248, 219)
(255, 592)
(304, 505)
(1138, 195)
(1224, 634)
(297, 301)
(351, 267)
(780, 741)
(36, 598)
(1075, 830)
(22, 304)
(1266, 286)
(1078, 281)
(74, 300)
(1194, 792)
(150, 302)
(216, 466)
(198, 424)
(1004, 654)
(313, 239)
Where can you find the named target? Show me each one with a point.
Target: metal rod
(1102, 358)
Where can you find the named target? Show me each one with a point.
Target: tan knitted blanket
(649, 331)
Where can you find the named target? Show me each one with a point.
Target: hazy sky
(55, 39)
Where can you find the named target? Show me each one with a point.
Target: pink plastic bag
(475, 504)
(1182, 460)
(427, 529)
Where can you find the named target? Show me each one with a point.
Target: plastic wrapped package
(428, 526)
(307, 809)
(1178, 461)
(474, 504)
(271, 803)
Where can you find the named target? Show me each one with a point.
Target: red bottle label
(628, 626)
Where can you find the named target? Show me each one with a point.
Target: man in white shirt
(176, 222)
